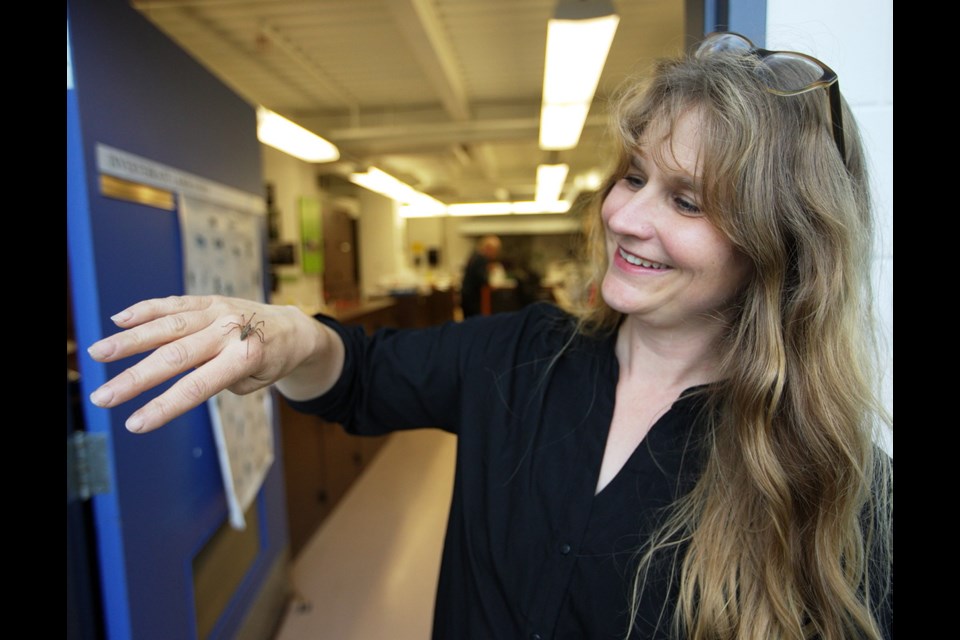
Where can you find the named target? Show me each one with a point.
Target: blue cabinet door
(131, 88)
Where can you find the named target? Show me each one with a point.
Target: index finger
(154, 308)
(150, 334)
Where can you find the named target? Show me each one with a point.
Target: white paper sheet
(222, 254)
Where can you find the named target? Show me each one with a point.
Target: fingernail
(100, 350)
(123, 316)
(102, 396)
(135, 423)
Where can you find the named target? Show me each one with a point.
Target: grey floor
(370, 571)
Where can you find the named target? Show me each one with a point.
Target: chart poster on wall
(311, 231)
(222, 253)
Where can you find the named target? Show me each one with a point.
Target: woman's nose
(634, 215)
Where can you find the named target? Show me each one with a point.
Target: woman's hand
(229, 343)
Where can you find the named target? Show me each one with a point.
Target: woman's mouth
(640, 262)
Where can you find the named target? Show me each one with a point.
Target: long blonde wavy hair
(788, 531)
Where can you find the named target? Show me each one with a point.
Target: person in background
(692, 454)
(476, 275)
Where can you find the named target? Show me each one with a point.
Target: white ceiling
(443, 94)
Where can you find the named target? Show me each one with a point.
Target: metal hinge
(88, 470)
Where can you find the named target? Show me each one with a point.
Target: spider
(246, 328)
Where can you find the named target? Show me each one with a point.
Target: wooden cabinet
(320, 460)
(303, 468)
(424, 310)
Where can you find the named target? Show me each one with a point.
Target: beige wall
(381, 231)
(292, 178)
(856, 39)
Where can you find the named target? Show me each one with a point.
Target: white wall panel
(855, 38)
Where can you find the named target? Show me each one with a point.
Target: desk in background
(320, 460)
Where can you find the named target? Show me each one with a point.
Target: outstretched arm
(222, 346)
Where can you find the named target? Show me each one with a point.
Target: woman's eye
(687, 206)
(635, 182)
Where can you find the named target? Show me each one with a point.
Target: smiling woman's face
(668, 264)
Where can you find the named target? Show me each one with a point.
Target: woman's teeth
(634, 260)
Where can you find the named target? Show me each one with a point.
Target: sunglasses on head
(786, 73)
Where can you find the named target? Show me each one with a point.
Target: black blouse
(530, 550)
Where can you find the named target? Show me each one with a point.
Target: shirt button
(564, 549)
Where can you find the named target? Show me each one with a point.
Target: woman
(691, 455)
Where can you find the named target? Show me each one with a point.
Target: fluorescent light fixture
(383, 183)
(561, 125)
(278, 132)
(480, 209)
(507, 208)
(532, 206)
(466, 209)
(589, 181)
(578, 40)
(412, 211)
(550, 179)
